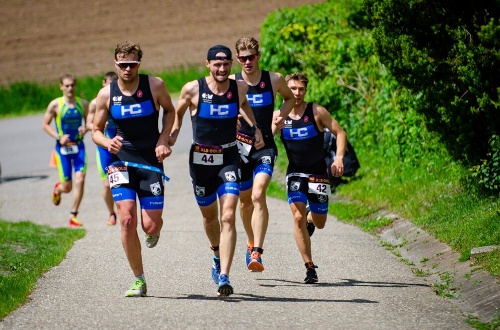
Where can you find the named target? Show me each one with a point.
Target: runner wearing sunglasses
(138, 150)
(257, 165)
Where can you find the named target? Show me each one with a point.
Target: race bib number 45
(117, 175)
(319, 185)
(207, 155)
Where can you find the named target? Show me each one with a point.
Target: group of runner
(231, 158)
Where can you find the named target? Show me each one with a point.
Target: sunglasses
(132, 64)
(250, 58)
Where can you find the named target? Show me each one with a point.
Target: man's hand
(115, 144)
(279, 122)
(259, 141)
(337, 167)
(162, 152)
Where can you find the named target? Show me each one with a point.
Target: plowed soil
(44, 38)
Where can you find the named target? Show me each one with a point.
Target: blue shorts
(69, 158)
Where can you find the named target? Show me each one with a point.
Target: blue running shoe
(225, 288)
(255, 264)
(248, 255)
(216, 270)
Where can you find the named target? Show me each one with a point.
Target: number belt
(143, 167)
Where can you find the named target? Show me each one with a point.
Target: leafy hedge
(331, 43)
(396, 100)
(448, 53)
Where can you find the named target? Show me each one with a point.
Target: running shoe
(248, 255)
(111, 220)
(216, 270)
(56, 197)
(309, 225)
(311, 276)
(225, 288)
(138, 289)
(152, 240)
(73, 222)
(255, 264)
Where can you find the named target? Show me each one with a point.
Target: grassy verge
(433, 195)
(25, 98)
(26, 252)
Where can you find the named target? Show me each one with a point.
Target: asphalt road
(361, 285)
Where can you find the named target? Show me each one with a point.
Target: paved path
(362, 286)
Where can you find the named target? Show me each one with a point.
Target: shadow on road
(23, 177)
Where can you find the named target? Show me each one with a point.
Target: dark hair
(67, 76)
(111, 75)
(128, 47)
(297, 76)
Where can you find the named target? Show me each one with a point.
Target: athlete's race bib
(319, 185)
(244, 142)
(117, 175)
(69, 150)
(207, 155)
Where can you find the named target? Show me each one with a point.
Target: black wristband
(58, 138)
(254, 127)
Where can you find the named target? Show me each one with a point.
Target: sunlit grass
(26, 252)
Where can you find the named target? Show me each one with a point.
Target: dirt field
(44, 38)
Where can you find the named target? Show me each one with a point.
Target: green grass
(433, 195)
(24, 98)
(26, 252)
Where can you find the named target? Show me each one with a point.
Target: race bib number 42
(207, 155)
(319, 185)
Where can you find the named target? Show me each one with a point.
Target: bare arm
(83, 129)
(281, 87)
(100, 118)
(165, 101)
(90, 116)
(189, 93)
(247, 113)
(275, 128)
(324, 119)
(50, 114)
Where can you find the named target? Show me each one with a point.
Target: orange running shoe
(255, 264)
(73, 222)
(111, 220)
(56, 197)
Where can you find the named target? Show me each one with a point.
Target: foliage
(487, 173)
(28, 97)
(448, 55)
(404, 167)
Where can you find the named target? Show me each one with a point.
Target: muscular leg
(127, 211)
(246, 211)
(108, 197)
(78, 193)
(211, 224)
(228, 231)
(300, 232)
(260, 216)
(152, 221)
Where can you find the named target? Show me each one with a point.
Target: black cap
(214, 50)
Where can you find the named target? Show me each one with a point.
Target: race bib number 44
(207, 155)
(319, 185)
(117, 175)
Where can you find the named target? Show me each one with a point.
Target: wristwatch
(254, 127)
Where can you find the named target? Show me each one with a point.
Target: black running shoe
(311, 276)
(309, 225)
